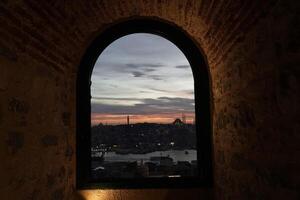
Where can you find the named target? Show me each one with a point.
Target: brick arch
(202, 89)
(67, 27)
(115, 13)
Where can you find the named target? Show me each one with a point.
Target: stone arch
(202, 90)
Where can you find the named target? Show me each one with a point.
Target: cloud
(189, 92)
(159, 90)
(146, 106)
(155, 77)
(170, 103)
(182, 66)
(143, 65)
(149, 70)
(145, 72)
(137, 74)
(130, 65)
(116, 98)
(153, 65)
(142, 68)
(178, 92)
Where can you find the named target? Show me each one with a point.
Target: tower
(183, 118)
(127, 119)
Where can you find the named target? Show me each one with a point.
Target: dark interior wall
(257, 112)
(252, 48)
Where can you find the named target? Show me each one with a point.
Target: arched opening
(202, 105)
(142, 111)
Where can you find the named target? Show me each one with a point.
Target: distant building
(178, 122)
(162, 160)
(183, 168)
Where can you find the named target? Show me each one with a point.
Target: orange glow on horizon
(165, 118)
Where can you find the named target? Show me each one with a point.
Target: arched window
(142, 121)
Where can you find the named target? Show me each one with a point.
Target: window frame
(202, 91)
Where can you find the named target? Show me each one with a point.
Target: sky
(144, 76)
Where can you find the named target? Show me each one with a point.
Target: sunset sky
(144, 76)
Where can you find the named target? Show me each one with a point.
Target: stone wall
(257, 115)
(252, 49)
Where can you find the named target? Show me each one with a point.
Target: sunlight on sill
(95, 194)
(128, 194)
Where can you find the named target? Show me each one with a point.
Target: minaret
(183, 118)
(127, 119)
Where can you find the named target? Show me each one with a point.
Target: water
(176, 155)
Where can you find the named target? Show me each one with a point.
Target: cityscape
(144, 150)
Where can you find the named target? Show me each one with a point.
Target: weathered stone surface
(66, 117)
(7, 53)
(18, 106)
(49, 140)
(15, 141)
(51, 179)
(69, 152)
(58, 194)
(1, 115)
